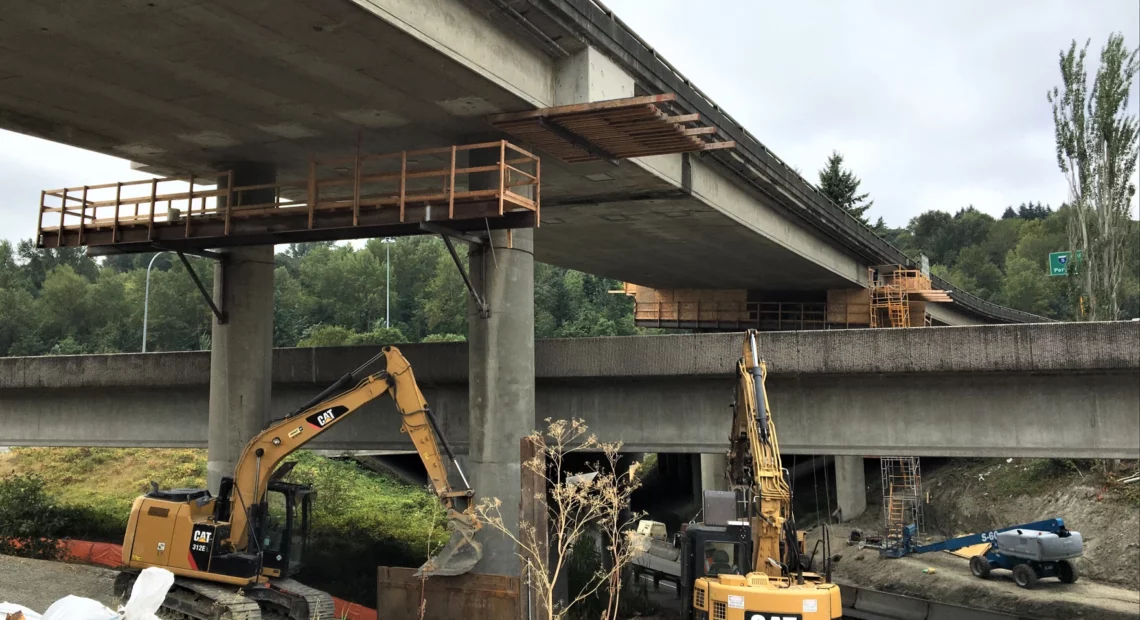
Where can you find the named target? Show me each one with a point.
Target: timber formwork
(611, 130)
(356, 196)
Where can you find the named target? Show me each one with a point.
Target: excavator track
(191, 599)
(318, 604)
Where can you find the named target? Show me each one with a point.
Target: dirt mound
(976, 495)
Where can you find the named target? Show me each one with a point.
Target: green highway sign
(1059, 262)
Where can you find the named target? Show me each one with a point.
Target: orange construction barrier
(103, 554)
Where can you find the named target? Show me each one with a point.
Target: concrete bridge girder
(1047, 390)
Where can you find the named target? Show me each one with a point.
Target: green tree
(291, 308)
(842, 187)
(18, 329)
(975, 264)
(379, 335)
(39, 262)
(1002, 237)
(1096, 137)
(346, 286)
(179, 319)
(444, 300)
(445, 338)
(327, 336)
(1026, 286)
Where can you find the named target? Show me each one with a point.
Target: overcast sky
(935, 105)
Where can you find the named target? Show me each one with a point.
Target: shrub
(30, 523)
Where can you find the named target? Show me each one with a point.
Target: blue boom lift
(1031, 551)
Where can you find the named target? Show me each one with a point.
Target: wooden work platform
(610, 130)
(358, 196)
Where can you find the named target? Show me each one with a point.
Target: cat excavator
(746, 560)
(234, 554)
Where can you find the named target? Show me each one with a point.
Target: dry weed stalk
(576, 506)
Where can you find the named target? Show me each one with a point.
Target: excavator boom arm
(754, 459)
(264, 453)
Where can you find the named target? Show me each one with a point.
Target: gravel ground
(37, 584)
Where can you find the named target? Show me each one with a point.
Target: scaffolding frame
(902, 496)
(890, 298)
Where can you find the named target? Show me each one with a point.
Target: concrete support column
(713, 473)
(850, 487)
(241, 349)
(501, 376)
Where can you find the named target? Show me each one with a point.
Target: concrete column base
(850, 487)
(241, 357)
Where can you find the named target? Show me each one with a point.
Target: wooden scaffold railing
(362, 195)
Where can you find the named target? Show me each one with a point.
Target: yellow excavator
(746, 560)
(233, 554)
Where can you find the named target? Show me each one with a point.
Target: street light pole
(146, 298)
(388, 241)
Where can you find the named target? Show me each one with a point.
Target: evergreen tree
(842, 187)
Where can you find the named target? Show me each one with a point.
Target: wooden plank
(83, 215)
(40, 219)
(118, 195)
(153, 207)
(356, 187)
(230, 200)
(526, 154)
(581, 107)
(62, 211)
(503, 180)
(684, 118)
(312, 189)
(631, 113)
(189, 206)
(403, 181)
(451, 189)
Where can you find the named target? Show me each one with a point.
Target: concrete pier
(501, 375)
(850, 487)
(713, 467)
(241, 349)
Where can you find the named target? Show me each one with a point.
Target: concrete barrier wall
(1030, 390)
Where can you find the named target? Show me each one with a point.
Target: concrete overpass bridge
(262, 87)
(189, 86)
(1042, 390)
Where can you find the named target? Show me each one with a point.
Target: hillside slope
(362, 519)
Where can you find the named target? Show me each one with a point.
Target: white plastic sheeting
(146, 596)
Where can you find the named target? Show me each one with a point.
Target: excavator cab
(711, 551)
(283, 529)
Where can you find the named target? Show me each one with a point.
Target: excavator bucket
(461, 553)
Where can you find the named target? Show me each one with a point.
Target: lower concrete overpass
(1044, 390)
